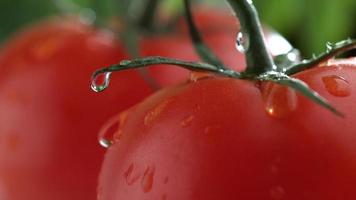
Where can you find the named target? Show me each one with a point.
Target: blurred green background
(308, 24)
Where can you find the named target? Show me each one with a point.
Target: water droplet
(277, 193)
(242, 42)
(125, 62)
(147, 179)
(131, 176)
(279, 100)
(187, 121)
(155, 112)
(329, 46)
(337, 85)
(107, 132)
(111, 131)
(196, 76)
(100, 81)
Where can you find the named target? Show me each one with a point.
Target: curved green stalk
(257, 57)
(203, 51)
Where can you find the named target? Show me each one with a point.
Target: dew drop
(111, 131)
(242, 42)
(279, 100)
(147, 179)
(100, 81)
(337, 85)
(151, 116)
(107, 132)
(196, 76)
(329, 46)
(277, 193)
(131, 176)
(187, 121)
(125, 62)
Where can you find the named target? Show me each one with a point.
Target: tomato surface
(49, 117)
(221, 138)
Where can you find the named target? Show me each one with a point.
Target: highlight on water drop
(242, 42)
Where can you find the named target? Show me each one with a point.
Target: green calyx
(260, 65)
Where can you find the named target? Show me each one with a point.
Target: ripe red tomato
(211, 139)
(49, 116)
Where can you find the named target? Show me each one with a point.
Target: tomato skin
(212, 139)
(49, 117)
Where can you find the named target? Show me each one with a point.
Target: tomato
(49, 117)
(212, 139)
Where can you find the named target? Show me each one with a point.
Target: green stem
(203, 51)
(257, 57)
(337, 49)
(156, 60)
(148, 15)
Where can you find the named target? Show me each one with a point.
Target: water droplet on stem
(100, 81)
(242, 42)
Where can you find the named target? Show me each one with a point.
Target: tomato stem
(156, 60)
(336, 49)
(257, 57)
(146, 20)
(202, 50)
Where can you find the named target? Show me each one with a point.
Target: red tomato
(212, 139)
(49, 116)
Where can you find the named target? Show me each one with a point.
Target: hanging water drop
(337, 86)
(196, 76)
(100, 81)
(279, 100)
(242, 42)
(111, 131)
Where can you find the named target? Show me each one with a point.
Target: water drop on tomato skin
(337, 85)
(111, 131)
(147, 179)
(279, 101)
(187, 121)
(106, 135)
(196, 76)
(130, 175)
